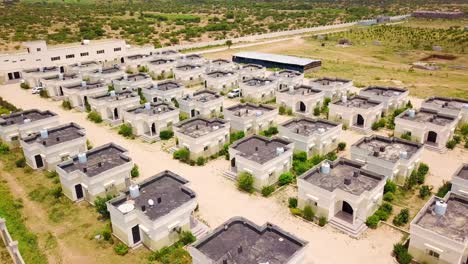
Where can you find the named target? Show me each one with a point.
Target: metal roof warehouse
(277, 61)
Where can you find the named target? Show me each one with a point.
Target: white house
(332, 87)
(221, 65)
(302, 99)
(220, 80)
(34, 76)
(391, 97)
(250, 118)
(160, 67)
(78, 93)
(189, 73)
(164, 91)
(168, 54)
(132, 82)
(191, 59)
(460, 180)
(204, 103)
(448, 106)
(288, 79)
(54, 84)
(135, 61)
(106, 75)
(249, 71)
(111, 106)
(258, 89)
(83, 68)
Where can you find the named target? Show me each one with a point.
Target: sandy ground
(219, 199)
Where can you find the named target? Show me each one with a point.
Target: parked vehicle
(234, 93)
(37, 89)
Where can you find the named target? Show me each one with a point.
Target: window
(70, 56)
(100, 52)
(38, 49)
(55, 58)
(84, 54)
(432, 253)
(117, 49)
(205, 148)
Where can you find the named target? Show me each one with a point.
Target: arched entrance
(346, 208)
(39, 161)
(61, 91)
(432, 137)
(116, 113)
(122, 60)
(153, 129)
(301, 107)
(233, 164)
(360, 120)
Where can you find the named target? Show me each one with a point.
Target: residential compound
(356, 112)
(392, 98)
(33, 76)
(221, 80)
(448, 106)
(164, 91)
(343, 192)
(49, 147)
(112, 105)
(54, 84)
(302, 99)
(107, 75)
(264, 158)
(150, 119)
(241, 241)
(78, 93)
(332, 87)
(21, 124)
(313, 136)
(426, 126)
(83, 68)
(391, 157)
(203, 103)
(250, 118)
(153, 212)
(202, 137)
(97, 172)
(258, 88)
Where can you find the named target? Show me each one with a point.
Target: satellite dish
(151, 202)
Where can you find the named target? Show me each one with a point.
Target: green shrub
(270, 131)
(20, 163)
(285, 178)
(106, 233)
(182, 154)
(341, 146)
(25, 85)
(317, 111)
(412, 180)
(95, 117)
(331, 156)
(300, 156)
(4, 148)
(101, 206)
(56, 192)
(126, 130)
(308, 213)
(43, 93)
(233, 137)
(372, 221)
(401, 254)
(451, 144)
(406, 136)
(322, 221)
(457, 139)
(379, 124)
(464, 129)
(382, 215)
(296, 211)
(423, 169)
(135, 172)
(289, 112)
(424, 191)
(186, 237)
(166, 134)
(292, 202)
(268, 190)
(89, 145)
(200, 161)
(121, 249)
(245, 182)
(51, 174)
(388, 208)
(444, 189)
(66, 105)
(402, 218)
(282, 110)
(389, 197)
(183, 116)
(466, 144)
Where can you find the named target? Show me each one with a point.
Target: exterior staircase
(354, 230)
(172, 149)
(148, 138)
(230, 175)
(199, 229)
(436, 149)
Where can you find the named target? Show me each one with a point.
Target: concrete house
(164, 91)
(343, 192)
(132, 82)
(34, 76)
(160, 66)
(54, 84)
(151, 118)
(191, 59)
(448, 106)
(313, 136)
(302, 99)
(106, 75)
(249, 71)
(391, 97)
(95, 173)
(427, 127)
(83, 68)
(21, 124)
(154, 212)
(220, 80)
(239, 240)
(203, 103)
(460, 180)
(391, 157)
(112, 105)
(266, 159)
(356, 112)
(168, 54)
(135, 61)
(78, 93)
(51, 146)
(332, 87)
(288, 79)
(202, 137)
(250, 118)
(221, 65)
(258, 89)
(438, 233)
(189, 73)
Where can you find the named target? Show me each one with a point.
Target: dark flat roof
(42, 69)
(198, 126)
(99, 160)
(84, 64)
(166, 189)
(307, 126)
(260, 149)
(249, 109)
(219, 73)
(63, 77)
(384, 91)
(388, 148)
(328, 80)
(87, 86)
(118, 96)
(462, 172)
(252, 66)
(165, 86)
(134, 77)
(187, 67)
(161, 61)
(274, 58)
(428, 116)
(107, 70)
(57, 135)
(257, 81)
(301, 90)
(18, 118)
(242, 242)
(358, 102)
(203, 96)
(446, 102)
(155, 109)
(288, 73)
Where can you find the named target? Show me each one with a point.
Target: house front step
(172, 149)
(148, 138)
(354, 231)
(230, 175)
(436, 149)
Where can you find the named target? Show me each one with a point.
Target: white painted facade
(260, 118)
(332, 87)
(301, 99)
(112, 106)
(164, 91)
(203, 103)
(79, 93)
(132, 82)
(392, 98)
(54, 85)
(10, 133)
(258, 89)
(357, 117)
(189, 73)
(220, 81)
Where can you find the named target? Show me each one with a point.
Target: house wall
(34, 78)
(106, 77)
(224, 83)
(191, 76)
(419, 131)
(106, 108)
(160, 69)
(334, 90)
(389, 103)
(214, 142)
(205, 109)
(26, 129)
(459, 186)
(53, 86)
(259, 93)
(142, 123)
(251, 124)
(131, 85)
(153, 95)
(348, 116)
(293, 100)
(76, 97)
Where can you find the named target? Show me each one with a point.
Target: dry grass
(4, 255)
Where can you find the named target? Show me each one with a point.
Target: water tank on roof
(147, 106)
(440, 208)
(112, 93)
(134, 191)
(60, 76)
(325, 168)
(465, 106)
(411, 113)
(83, 83)
(85, 42)
(82, 158)
(279, 150)
(44, 133)
(403, 155)
(27, 120)
(344, 98)
(126, 208)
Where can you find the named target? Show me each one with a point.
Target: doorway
(432, 137)
(360, 120)
(347, 208)
(39, 161)
(192, 113)
(116, 114)
(136, 234)
(62, 70)
(153, 129)
(79, 191)
(122, 60)
(302, 107)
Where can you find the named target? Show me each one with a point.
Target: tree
(308, 213)
(166, 134)
(285, 178)
(229, 43)
(135, 172)
(182, 154)
(101, 205)
(245, 182)
(126, 130)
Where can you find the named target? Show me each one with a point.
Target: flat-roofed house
(302, 99)
(151, 118)
(78, 93)
(264, 158)
(95, 173)
(288, 79)
(202, 137)
(154, 212)
(106, 75)
(34, 76)
(333, 87)
(343, 192)
(356, 112)
(258, 88)
(160, 66)
(426, 126)
(54, 84)
(221, 65)
(438, 233)
(135, 61)
(112, 105)
(391, 97)
(192, 59)
(203, 103)
(189, 73)
(239, 240)
(313, 136)
(21, 124)
(164, 91)
(221, 80)
(49, 147)
(168, 54)
(249, 71)
(460, 180)
(391, 157)
(448, 106)
(250, 118)
(132, 82)
(83, 68)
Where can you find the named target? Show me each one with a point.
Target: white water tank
(86, 42)
(344, 98)
(465, 106)
(134, 191)
(155, 86)
(411, 113)
(44, 133)
(82, 158)
(321, 130)
(112, 93)
(83, 83)
(60, 76)
(125, 77)
(440, 208)
(325, 168)
(150, 202)
(403, 154)
(27, 120)
(147, 106)
(279, 150)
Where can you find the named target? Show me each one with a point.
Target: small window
(432, 253)
(23, 60)
(38, 49)
(205, 148)
(55, 58)
(117, 49)
(70, 56)
(84, 54)
(100, 52)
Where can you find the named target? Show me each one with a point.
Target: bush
(25, 86)
(457, 139)
(401, 254)
(56, 192)
(268, 190)
(183, 116)
(121, 249)
(379, 124)
(296, 211)
(270, 131)
(451, 144)
(389, 197)
(300, 156)
(464, 129)
(245, 182)
(233, 137)
(423, 169)
(388, 208)
(135, 172)
(44, 94)
(282, 110)
(292, 202)
(308, 213)
(166, 134)
(322, 221)
(372, 221)
(317, 111)
(289, 112)
(341, 146)
(126, 130)
(382, 215)
(4, 148)
(402, 218)
(66, 105)
(20, 163)
(95, 117)
(424, 191)
(200, 161)
(182, 154)
(186, 237)
(444, 189)
(406, 136)
(101, 206)
(285, 178)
